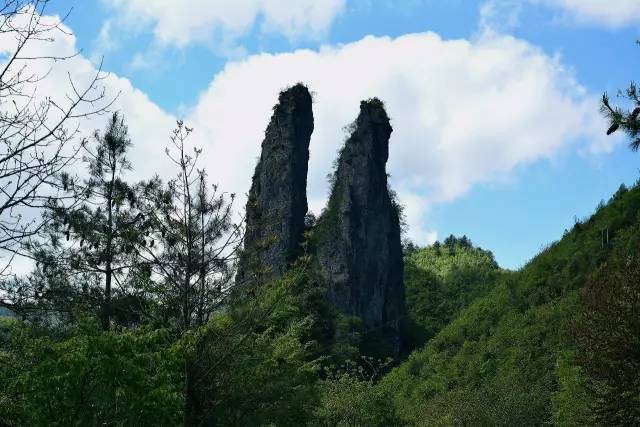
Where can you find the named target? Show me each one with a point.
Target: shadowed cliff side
(277, 201)
(357, 239)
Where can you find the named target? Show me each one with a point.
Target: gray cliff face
(277, 201)
(358, 236)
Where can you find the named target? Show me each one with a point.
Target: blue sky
(190, 62)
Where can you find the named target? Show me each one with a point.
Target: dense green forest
(524, 352)
(555, 342)
(132, 315)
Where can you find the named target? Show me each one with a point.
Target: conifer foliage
(97, 234)
(621, 118)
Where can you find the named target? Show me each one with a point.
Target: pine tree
(96, 236)
(625, 119)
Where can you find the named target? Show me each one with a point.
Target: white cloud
(179, 23)
(612, 14)
(463, 112)
(148, 124)
(500, 15)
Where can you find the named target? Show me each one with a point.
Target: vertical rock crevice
(277, 201)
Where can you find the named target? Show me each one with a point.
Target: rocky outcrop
(277, 201)
(358, 236)
(356, 241)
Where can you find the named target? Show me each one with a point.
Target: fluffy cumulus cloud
(181, 22)
(57, 79)
(61, 77)
(463, 112)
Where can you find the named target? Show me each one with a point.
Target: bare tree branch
(37, 132)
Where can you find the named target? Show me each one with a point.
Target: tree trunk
(106, 315)
(199, 395)
(106, 309)
(193, 410)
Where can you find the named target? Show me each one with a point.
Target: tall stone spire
(358, 236)
(277, 202)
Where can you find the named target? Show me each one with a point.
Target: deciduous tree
(36, 130)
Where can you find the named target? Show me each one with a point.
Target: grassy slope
(495, 364)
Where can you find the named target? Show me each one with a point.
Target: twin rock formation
(357, 238)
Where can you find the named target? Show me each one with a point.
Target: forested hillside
(519, 354)
(529, 347)
(443, 279)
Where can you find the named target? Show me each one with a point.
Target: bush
(88, 377)
(347, 400)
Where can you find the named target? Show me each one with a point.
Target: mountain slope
(499, 361)
(443, 279)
